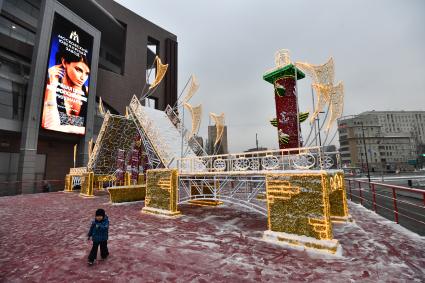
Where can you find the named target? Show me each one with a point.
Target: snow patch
(168, 230)
(119, 237)
(387, 222)
(273, 237)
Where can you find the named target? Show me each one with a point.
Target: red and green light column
(288, 118)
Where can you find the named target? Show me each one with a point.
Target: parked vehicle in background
(353, 171)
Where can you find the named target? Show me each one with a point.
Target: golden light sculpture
(320, 74)
(299, 210)
(161, 192)
(127, 193)
(193, 88)
(75, 153)
(323, 76)
(219, 124)
(196, 113)
(90, 149)
(87, 185)
(282, 58)
(334, 97)
(323, 98)
(336, 104)
(100, 107)
(338, 198)
(161, 70)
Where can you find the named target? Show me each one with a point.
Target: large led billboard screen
(66, 89)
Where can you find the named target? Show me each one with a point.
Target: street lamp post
(365, 151)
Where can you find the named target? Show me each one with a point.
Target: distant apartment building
(391, 139)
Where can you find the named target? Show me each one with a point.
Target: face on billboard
(68, 74)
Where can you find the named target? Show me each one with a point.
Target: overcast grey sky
(378, 48)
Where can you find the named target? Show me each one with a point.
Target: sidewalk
(43, 239)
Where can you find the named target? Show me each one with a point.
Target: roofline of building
(171, 35)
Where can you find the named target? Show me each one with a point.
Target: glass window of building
(14, 74)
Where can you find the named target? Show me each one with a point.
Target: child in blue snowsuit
(99, 234)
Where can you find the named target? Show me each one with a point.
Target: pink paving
(43, 239)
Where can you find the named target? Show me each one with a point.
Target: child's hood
(105, 219)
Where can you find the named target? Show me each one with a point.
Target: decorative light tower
(284, 78)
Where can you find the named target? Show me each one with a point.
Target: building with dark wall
(123, 52)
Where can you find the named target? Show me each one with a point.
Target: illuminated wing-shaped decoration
(336, 104)
(219, 125)
(196, 113)
(322, 94)
(192, 89)
(281, 58)
(161, 70)
(100, 107)
(320, 74)
(90, 150)
(127, 113)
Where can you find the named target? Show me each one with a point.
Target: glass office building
(121, 53)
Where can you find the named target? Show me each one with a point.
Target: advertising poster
(66, 90)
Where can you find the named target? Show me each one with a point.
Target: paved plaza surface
(43, 239)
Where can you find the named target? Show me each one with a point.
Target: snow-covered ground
(43, 239)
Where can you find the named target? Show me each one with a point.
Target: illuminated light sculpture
(321, 75)
(334, 97)
(161, 192)
(299, 212)
(87, 184)
(100, 107)
(117, 133)
(338, 198)
(336, 104)
(74, 177)
(128, 193)
(327, 94)
(193, 88)
(219, 125)
(161, 70)
(284, 77)
(196, 113)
